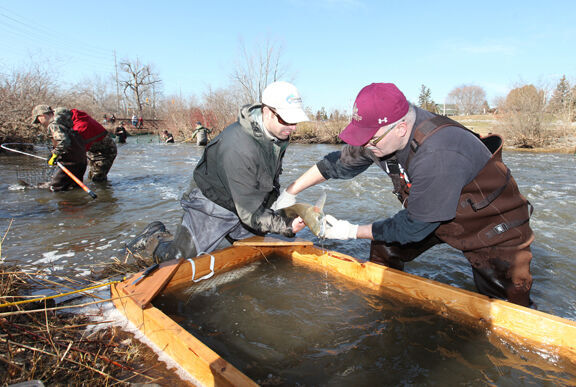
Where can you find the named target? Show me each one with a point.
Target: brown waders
(490, 227)
(499, 272)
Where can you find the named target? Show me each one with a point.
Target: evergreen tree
(425, 100)
(562, 98)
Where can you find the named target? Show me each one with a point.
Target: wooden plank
(189, 352)
(522, 325)
(224, 260)
(205, 365)
(271, 241)
(149, 287)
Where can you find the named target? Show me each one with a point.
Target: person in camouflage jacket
(68, 147)
(101, 149)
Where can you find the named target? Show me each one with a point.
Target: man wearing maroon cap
(453, 185)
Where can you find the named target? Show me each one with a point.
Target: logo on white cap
(293, 99)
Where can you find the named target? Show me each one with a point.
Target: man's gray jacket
(240, 171)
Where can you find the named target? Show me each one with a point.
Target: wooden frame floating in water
(516, 324)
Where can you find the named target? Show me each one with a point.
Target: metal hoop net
(28, 171)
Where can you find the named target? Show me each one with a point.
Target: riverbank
(560, 139)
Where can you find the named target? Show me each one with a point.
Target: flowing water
(72, 233)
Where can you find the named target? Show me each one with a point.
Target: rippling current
(72, 233)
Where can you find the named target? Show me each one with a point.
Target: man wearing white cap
(235, 182)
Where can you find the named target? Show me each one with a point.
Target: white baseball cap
(284, 98)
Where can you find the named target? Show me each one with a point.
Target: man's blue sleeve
(402, 229)
(344, 164)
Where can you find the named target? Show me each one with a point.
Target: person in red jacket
(101, 149)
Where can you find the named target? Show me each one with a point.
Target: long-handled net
(28, 171)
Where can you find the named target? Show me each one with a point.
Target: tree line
(531, 116)
(526, 113)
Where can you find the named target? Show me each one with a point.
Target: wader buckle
(501, 228)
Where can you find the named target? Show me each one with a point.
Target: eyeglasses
(374, 141)
(280, 120)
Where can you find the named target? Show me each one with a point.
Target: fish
(312, 215)
(219, 280)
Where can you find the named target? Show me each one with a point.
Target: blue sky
(331, 48)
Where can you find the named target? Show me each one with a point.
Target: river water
(70, 233)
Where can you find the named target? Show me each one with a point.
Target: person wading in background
(201, 134)
(121, 133)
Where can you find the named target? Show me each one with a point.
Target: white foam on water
(53, 256)
(16, 187)
(84, 273)
(105, 247)
(61, 244)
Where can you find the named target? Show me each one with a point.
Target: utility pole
(117, 89)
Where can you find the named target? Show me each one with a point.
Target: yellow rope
(58, 295)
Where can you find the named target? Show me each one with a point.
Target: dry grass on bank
(60, 345)
(556, 137)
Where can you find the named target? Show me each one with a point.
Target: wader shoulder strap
(97, 137)
(427, 128)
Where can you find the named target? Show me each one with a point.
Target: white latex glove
(284, 200)
(339, 229)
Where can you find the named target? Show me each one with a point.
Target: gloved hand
(54, 159)
(339, 229)
(284, 200)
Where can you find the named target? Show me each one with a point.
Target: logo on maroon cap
(380, 104)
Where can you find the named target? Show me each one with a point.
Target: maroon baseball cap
(377, 105)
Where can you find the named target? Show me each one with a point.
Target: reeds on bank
(57, 343)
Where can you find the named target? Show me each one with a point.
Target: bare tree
(20, 91)
(221, 106)
(523, 116)
(256, 69)
(174, 111)
(140, 84)
(94, 95)
(468, 98)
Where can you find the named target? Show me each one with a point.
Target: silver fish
(220, 279)
(312, 215)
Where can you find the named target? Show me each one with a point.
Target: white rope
(194, 268)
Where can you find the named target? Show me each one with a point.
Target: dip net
(28, 171)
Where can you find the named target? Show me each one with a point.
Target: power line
(76, 51)
(44, 31)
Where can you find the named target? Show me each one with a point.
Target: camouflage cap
(39, 110)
